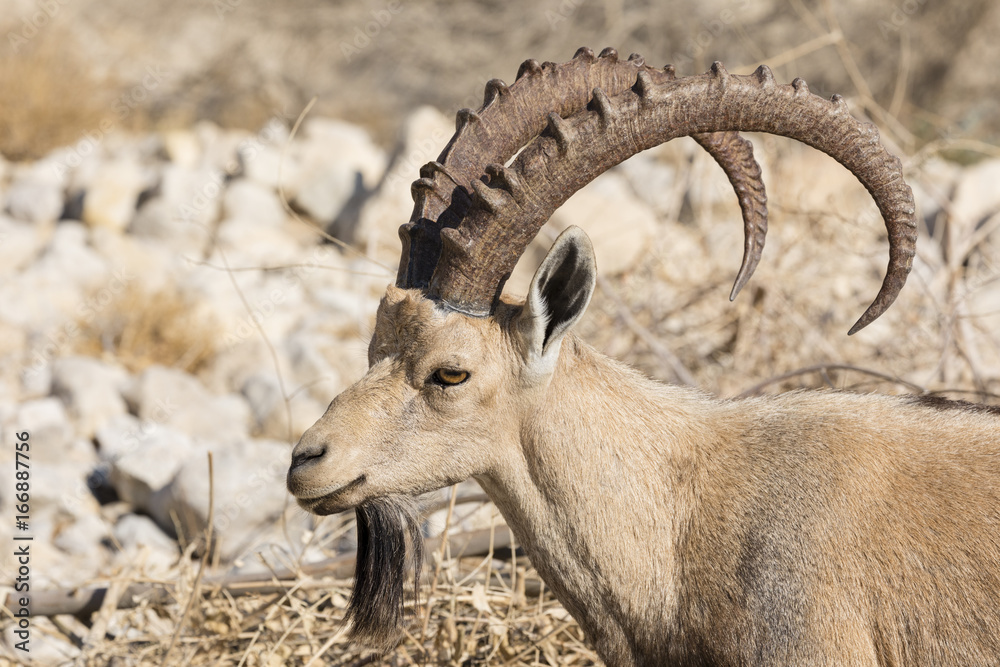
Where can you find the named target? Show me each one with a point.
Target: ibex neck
(604, 443)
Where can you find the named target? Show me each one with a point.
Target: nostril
(308, 454)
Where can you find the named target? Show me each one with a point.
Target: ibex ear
(559, 293)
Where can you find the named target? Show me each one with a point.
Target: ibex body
(805, 529)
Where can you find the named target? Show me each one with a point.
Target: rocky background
(180, 274)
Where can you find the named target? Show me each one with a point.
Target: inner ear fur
(560, 291)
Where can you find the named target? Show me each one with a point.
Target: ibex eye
(445, 376)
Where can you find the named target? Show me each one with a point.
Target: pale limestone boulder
(270, 413)
(249, 242)
(425, 134)
(336, 160)
(82, 538)
(182, 147)
(36, 194)
(69, 258)
(173, 398)
(263, 165)
(19, 244)
(976, 195)
(91, 391)
(248, 200)
(50, 429)
(184, 212)
(250, 494)
(110, 199)
(142, 457)
(143, 542)
(621, 228)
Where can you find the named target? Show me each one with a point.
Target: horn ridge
(511, 116)
(692, 105)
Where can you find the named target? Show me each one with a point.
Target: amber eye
(445, 376)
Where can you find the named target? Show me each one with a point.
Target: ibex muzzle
(811, 528)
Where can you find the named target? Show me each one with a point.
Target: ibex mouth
(334, 501)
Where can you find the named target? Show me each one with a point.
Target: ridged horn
(511, 116)
(478, 255)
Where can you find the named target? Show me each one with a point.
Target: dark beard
(376, 607)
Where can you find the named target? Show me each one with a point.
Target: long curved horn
(478, 255)
(511, 116)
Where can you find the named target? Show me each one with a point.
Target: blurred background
(235, 62)
(184, 271)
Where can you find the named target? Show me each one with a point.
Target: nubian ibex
(810, 528)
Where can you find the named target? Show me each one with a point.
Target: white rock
(652, 180)
(324, 190)
(263, 393)
(247, 242)
(620, 227)
(177, 399)
(335, 160)
(143, 457)
(46, 421)
(68, 257)
(134, 532)
(220, 147)
(234, 363)
(933, 186)
(83, 537)
(36, 376)
(19, 245)
(110, 199)
(61, 485)
(182, 147)
(425, 133)
(67, 273)
(159, 223)
(263, 165)
(183, 214)
(135, 261)
(36, 196)
(976, 195)
(327, 140)
(249, 491)
(90, 390)
(247, 200)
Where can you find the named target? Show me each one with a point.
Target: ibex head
(456, 372)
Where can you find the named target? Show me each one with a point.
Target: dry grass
(49, 96)
(478, 611)
(140, 328)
